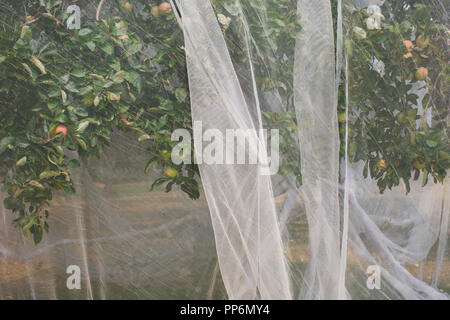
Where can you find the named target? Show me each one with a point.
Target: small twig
(99, 8)
(30, 21)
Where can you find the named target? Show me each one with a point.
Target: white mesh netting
(251, 235)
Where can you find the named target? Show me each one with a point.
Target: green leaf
(144, 137)
(80, 111)
(191, 188)
(158, 182)
(119, 76)
(82, 126)
(90, 45)
(21, 161)
(365, 170)
(134, 48)
(135, 79)
(26, 34)
(181, 94)
(425, 178)
(150, 164)
(431, 143)
(169, 186)
(37, 236)
(29, 224)
(113, 96)
(38, 64)
(85, 90)
(63, 96)
(279, 22)
(108, 49)
(71, 87)
(96, 77)
(28, 69)
(81, 143)
(4, 143)
(85, 31)
(79, 73)
(61, 118)
(36, 184)
(159, 56)
(48, 15)
(48, 174)
(115, 65)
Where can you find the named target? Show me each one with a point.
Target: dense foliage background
(399, 59)
(67, 90)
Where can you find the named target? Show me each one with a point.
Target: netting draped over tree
(356, 89)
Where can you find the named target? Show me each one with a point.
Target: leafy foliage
(90, 82)
(407, 52)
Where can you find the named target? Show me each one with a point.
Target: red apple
(61, 129)
(421, 73)
(165, 8)
(408, 44)
(126, 6)
(408, 55)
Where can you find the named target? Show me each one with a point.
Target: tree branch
(99, 8)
